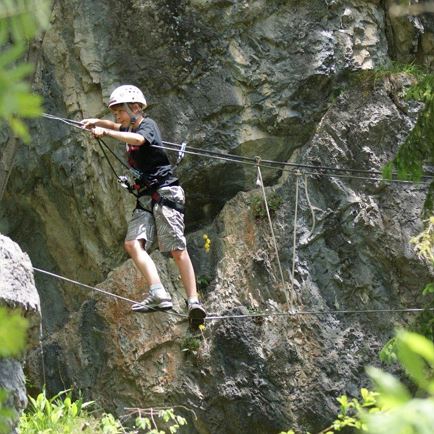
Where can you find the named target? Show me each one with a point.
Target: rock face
(262, 375)
(276, 79)
(17, 291)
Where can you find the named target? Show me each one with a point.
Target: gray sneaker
(196, 314)
(153, 303)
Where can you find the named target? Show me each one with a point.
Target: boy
(159, 208)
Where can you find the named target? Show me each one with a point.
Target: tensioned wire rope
(295, 168)
(101, 291)
(248, 315)
(257, 163)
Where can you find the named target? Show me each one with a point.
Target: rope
(102, 291)
(269, 163)
(294, 235)
(308, 170)
(306, 191)
(236, 159)
(41, 347)
(319, 313)
(107, 158)
(261, 183)
(101, 141)
(213, 317)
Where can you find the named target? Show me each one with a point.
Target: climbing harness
(164, 201)
(140, 187)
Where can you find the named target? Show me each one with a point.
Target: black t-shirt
(151, 162)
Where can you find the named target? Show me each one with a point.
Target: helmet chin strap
(133, 117)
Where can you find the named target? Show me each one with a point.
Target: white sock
(157, 289)
(192, 300)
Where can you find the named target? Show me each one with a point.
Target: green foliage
(424, 243)
(60, 414)
(12, 333)
(6, 414)
(203, 282)
(147, 421)
(424, 322)
(388, 352)
(416, 355)
(19, 22)
(16, 100)
(391, 409)
(12, 340)
(400, 412)
(350, 411)
(190, 344)
(257, 205)
(110, 425)
(168, 416)
(429, 289)
(418, 148)
(54, 415)
(414, 417)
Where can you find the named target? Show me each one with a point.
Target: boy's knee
(178, 254)
(127, 246)
(131, 246)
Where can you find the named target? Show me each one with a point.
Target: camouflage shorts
(164, 224)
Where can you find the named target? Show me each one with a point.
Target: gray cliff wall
(275, 79)
(17, 292)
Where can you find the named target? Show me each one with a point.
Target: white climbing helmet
(127, 94)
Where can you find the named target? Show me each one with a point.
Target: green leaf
(343, 401)
(19, 128)
(416, 354)
(12, 333)
(417, 344)
(391, 392)
(11, 55)
(20, 71)
(415, 417)
(388, 352)
(429, 289)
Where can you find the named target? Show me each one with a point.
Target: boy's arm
(123, 136)
(104, 123)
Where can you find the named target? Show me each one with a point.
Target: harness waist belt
(164, 201)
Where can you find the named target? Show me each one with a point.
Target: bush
(257, 205)
(56, 415)
(61, 415)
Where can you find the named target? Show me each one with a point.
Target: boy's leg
(143, 261)
(196, 312)
(183, 262)
(141, 232)
(170, 233)
(158, 298)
